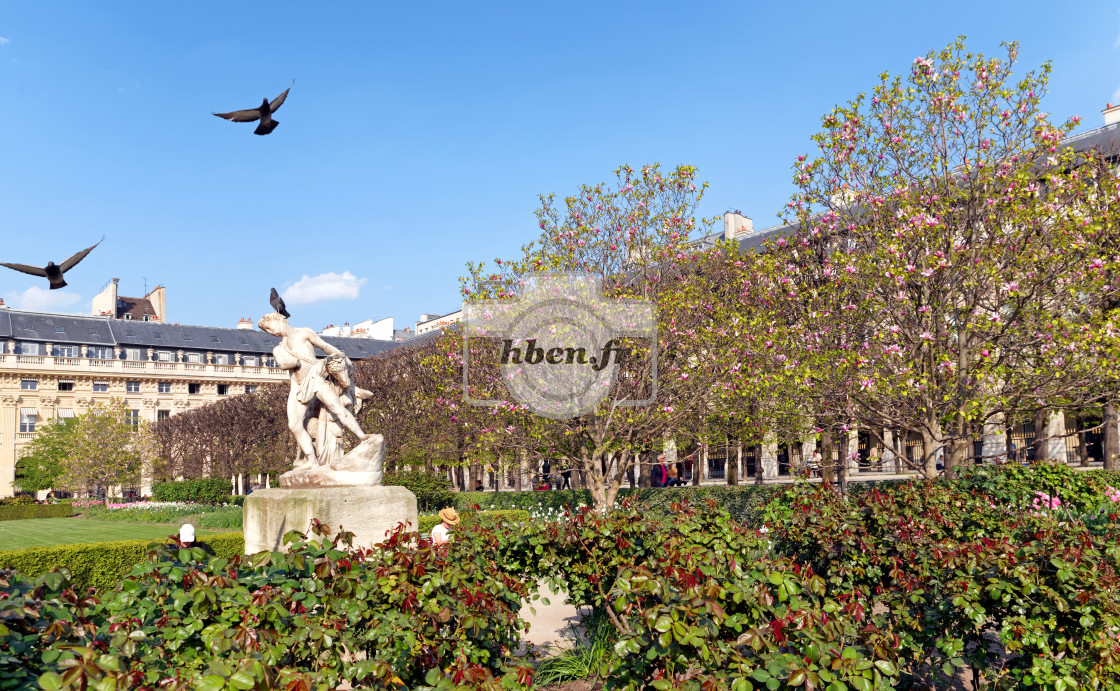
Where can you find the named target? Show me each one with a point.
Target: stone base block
(368, 512)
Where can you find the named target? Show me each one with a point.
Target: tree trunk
(733, 468)
(643, 471)
(842, 451)
(1110, 445)
(827, 474)
(1042, 436)
(931, 447)
(758, 476)
(696, 470)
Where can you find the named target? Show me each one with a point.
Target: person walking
(566, 476)
(441, 534)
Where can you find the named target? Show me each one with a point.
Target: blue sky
(418, 135)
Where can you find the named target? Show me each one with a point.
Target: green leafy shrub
(318, 617)
(22, 511)
(17, 500)
(101, 565)
(432, 492)
(235, 500)
(211, 490)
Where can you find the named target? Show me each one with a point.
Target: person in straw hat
(441, 534)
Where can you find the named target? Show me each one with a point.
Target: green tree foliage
(107, 449)
(43, 460)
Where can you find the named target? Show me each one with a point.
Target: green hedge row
(102, 565)
(207, 490)
(20, 511)
(471, 517)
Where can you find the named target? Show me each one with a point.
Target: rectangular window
(100, 353)
(132, 387)
(64, 351)
(157, 335)
(162, 414)
(250, 388)
(101, 386)
(28, 418)
(65, 413)
(26, 348)
(250, 361)
(215, 339)
(194, 357)
(29, 384)
(164, 355)
(65, 385)
(164, 387)
(221, 359)
(60, 329)
(147, 317)
(132, 354)
(132, 418)
(223, 389)
(194, 388)
(128, 317)
(188, 337)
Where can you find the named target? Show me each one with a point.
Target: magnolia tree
(947, 240)
(107, 448)
(629, 234)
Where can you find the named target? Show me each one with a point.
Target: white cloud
(4, 41)
(328, 286)
(42, 299)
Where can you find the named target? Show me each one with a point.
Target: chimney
(736, 225)
(245, 323)
(2, 305)
(1111, 114)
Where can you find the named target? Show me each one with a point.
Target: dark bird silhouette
(52, 271)
(263, 113)
(277, 303)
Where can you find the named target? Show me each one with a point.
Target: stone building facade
(57, 365)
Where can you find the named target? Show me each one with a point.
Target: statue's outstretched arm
(322, 345)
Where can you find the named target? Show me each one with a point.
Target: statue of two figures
(323, 400)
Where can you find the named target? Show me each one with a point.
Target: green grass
(40, 532)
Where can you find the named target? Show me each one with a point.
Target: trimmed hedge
(743, 502)
(103, 565)
(18, 512)
(208, 490)
(471, 517)
(432, 491)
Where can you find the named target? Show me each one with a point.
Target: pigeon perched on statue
(263, 113)
(53, 272)
(277, 303)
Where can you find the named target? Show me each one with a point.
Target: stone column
(1057, 440)
(769, 459)
(853, 451)
(994, 446)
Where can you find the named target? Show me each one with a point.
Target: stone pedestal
(368, 512)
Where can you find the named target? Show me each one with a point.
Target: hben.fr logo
(561, 343)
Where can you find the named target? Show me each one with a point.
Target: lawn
(39, 532)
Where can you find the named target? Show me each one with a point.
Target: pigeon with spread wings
(53, 272)
(263, 113)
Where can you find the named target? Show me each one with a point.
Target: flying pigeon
(53, 271)
(277, 303)
(263, 113)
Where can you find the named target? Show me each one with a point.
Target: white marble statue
(322, 400)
